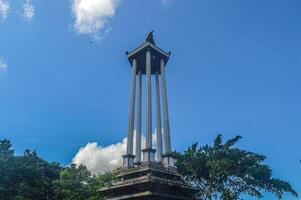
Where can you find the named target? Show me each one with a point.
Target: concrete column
(139, 112)
(167, 160)
(158, 119)
(129, 157)
(148, 102)
(148, 152)
(165, 110)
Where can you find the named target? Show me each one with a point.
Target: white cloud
(92, 16)
(4, 9)
(3, 65)
(99, 159)
(29, 10)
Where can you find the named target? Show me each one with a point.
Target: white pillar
(129, 157)
(168, 161)
(139, 112)
(158, 119)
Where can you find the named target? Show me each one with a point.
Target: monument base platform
(148, 181)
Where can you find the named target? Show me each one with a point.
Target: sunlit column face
(148, 102)
(158, 119)
(139, 120)
(129, 158)
(168, 160)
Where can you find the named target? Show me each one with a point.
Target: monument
(148, 173)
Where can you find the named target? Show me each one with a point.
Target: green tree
(35, 177)
(29, 177)
(7, 163)
(224, 172)
(25, 177)
(102, 180)
(77, 183)
(73, 183)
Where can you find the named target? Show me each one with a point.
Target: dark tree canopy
(219, 171)
(26, 177)
(224, 172)
(77, 183)
(29, 177)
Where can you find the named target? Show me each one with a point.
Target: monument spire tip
(150, 37)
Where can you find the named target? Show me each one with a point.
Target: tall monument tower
(143, 175)
(148, 60)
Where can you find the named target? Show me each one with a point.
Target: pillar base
(168, 160)
(148, 155)
(128, 160)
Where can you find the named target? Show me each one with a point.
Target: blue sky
(235, 69)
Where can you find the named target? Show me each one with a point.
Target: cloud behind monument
(99, 159)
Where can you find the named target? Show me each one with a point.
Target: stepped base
(148, 181)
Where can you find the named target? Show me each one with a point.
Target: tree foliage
(77, 183)
(219, 171)
(26, 177)
(223, 172)
(29, 177)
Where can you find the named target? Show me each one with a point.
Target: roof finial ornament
(150, 37)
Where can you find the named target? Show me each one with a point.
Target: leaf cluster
(25, 177)
(29, 177)
(222, 171)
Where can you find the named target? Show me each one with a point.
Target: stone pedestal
(149, 181)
